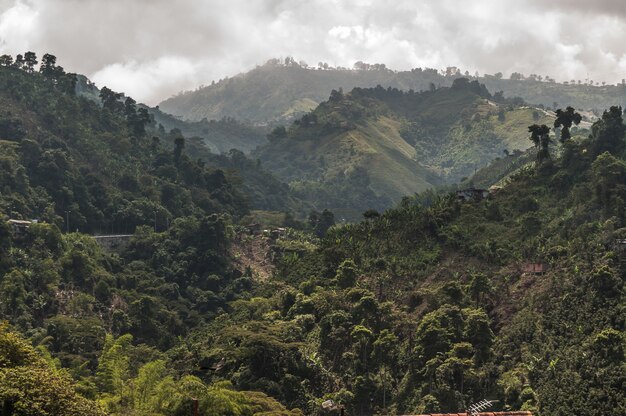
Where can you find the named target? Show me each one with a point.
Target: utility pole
(67, 221)
(155, 223)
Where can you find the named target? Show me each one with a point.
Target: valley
(372, 251)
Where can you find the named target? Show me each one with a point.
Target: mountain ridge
(276, 92)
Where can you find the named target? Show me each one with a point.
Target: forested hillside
(427, 307)
(441, 302)
(369, 147)
(219, 136)
(67, 159)
(281, 90)
(74, 164)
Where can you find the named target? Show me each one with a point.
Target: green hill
(370, 147)
(425, 308)
(276, 92)
(65, 157)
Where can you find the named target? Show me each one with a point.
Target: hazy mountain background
(283, 89)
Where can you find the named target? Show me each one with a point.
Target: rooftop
(518, 413)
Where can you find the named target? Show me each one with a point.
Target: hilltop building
(471, 194)
(534, 268)
(19, 227)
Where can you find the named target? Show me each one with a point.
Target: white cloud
(151, 49)
(18, 22)
(149, 80)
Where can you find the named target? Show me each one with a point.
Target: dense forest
(429, 306)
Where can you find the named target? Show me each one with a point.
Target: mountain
(370, 147)
(440, 302)
(67, 159)
(436, 303)
(277, 91)
(219, 136)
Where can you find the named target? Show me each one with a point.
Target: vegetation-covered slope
(279, 91)
(430, 306)
(31, 382)
(108, 318)
(368, 148)
(218, 136)
(66, 158)
(439, 303)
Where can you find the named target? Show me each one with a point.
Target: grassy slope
(390, 160)
(513, 131)
(268, 92)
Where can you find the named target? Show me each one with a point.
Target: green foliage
(564, 120)
(65, 159)
(424, 307)
(540, 136)
(30, 386)
(608, 133)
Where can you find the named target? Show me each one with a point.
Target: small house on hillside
(534, 268)
(19, 227)
(471, 194)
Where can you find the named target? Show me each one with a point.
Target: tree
(6, 60)
(136, 119)
(30, 60)
(336, 95)
(371, 214)
(540, 136)
(113, 365)
(609, 175)
(130, 108)
(608, 132)
(48, 66)
(19, 61)
(179, 145)
(111, 100)
(479, 285)
(564, 119)
(347, 274)
(320, 223)
(32, 386)
(141, 120)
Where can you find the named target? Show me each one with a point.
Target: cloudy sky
(152, 49)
